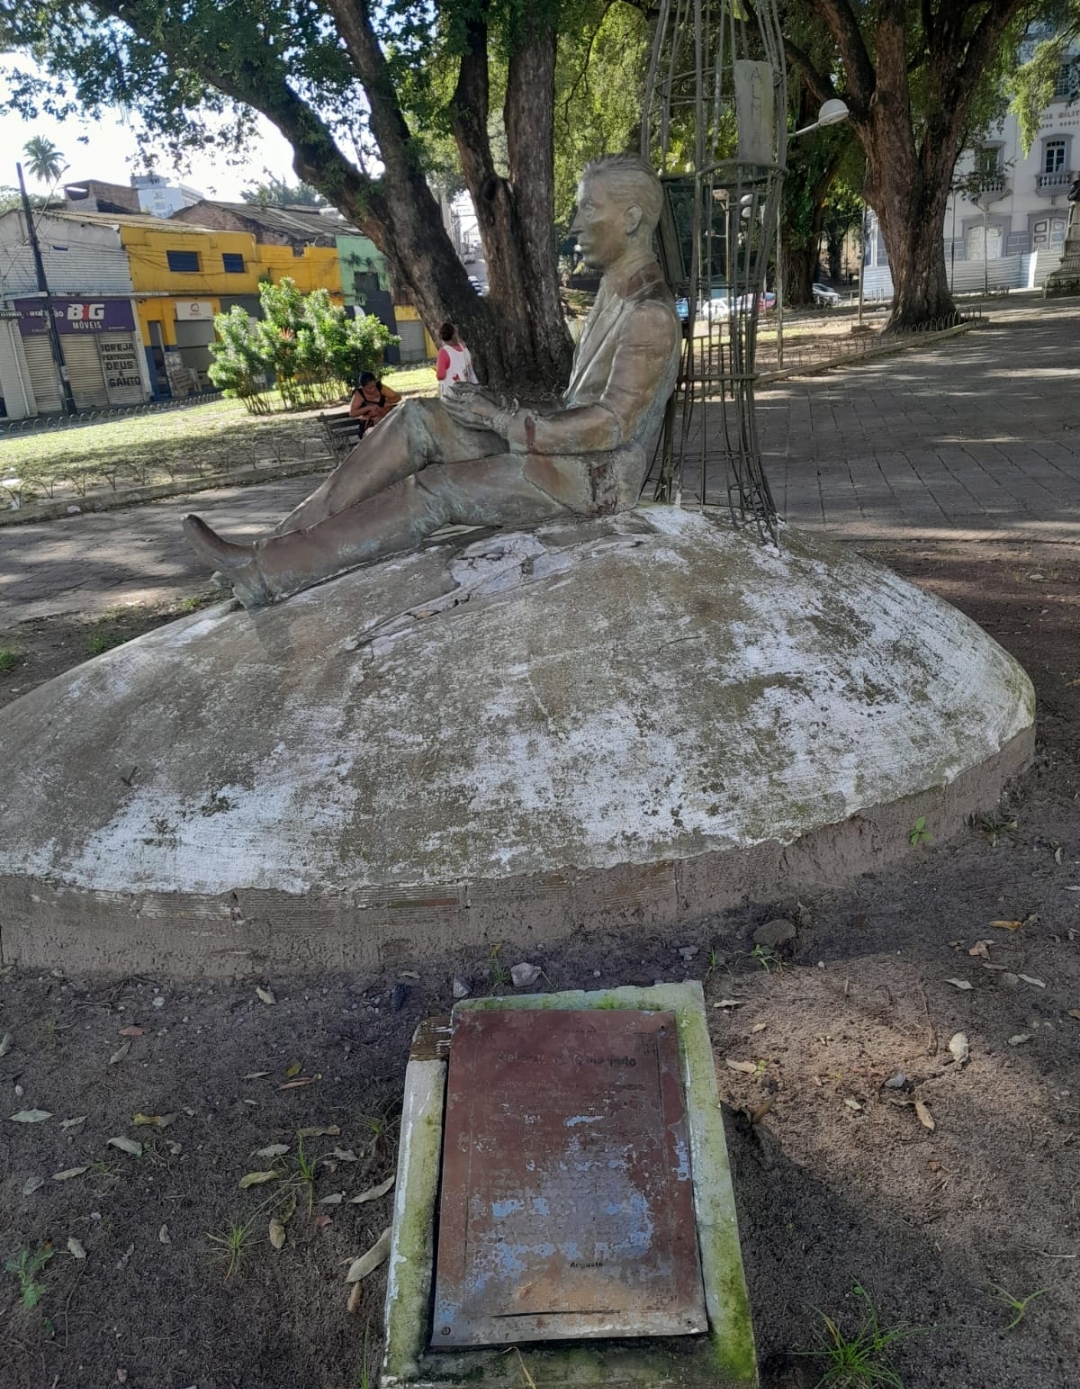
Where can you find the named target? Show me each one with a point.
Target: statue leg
(488, 491)
(413, 435)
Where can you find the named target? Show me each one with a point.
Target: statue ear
(632, 219)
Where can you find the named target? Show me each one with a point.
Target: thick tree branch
(841, 23)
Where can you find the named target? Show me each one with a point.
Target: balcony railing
(1050, 185)
(990, 183)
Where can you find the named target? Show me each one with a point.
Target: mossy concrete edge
(725, 1359)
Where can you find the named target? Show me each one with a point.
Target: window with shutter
(186, 262)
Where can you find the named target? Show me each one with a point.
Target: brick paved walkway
(978, 438)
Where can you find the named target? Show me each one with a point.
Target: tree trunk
(800, 266)
(909, 162)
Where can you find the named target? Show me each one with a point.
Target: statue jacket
(589, 451)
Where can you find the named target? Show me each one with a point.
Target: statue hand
(470, 406)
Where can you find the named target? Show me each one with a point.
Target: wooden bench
(340, 431)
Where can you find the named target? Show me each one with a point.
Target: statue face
(604, 224)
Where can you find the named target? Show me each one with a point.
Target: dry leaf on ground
(120, 1052)
(1030, 979)
(320, 1131)
(273, 1151)
(157, 1121)
(730, 1003)
(1007, 925)
(373, 1259)
(344, 1155)
(959, 1047)
(7, 1041)
(334, 1199)
(277, 1233)
(68, 1173)
(73, 1123)
(960, 983)
(75, 1249)
(127, 1145)
(299, 1081)
(981, 949)
(163, 1235)
(256, 1075)
(1074, 1013)
(266, 995)
(852, 1104)
(373, 1192)
(32, 1184)
(257, 1178)
(746, 1067)
(293, 1069)
(925, 1117)
(132, 1031)
(1020, 1039)
(31, 1116)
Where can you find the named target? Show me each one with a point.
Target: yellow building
(184, 274)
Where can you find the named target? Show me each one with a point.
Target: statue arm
(646, 343)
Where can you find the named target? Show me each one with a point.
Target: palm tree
(43, 160)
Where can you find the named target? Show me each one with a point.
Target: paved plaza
(977, 438)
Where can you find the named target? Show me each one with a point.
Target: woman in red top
(454, 362)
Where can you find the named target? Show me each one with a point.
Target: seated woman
(372, 401)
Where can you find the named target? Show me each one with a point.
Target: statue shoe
(237, 564)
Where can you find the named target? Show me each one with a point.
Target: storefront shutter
(43, 377)
(120, 365)
(84, 371)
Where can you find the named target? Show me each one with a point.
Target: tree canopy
(44, 161)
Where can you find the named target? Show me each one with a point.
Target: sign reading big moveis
(75, 316)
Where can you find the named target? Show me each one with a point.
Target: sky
(111, 153)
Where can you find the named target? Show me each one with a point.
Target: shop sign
(75, 316)
(195, 310)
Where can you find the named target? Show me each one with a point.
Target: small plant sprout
(919, 833)
(230, 1245)
(26, 1265)
(500, 975)
(9, 658)
(305, 1171)
(1017, 1305)
(767, 958)
(860, 1361)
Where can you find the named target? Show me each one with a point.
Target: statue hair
(632, 178)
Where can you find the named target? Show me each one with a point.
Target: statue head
(619, 201)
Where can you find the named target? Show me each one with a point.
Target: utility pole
(43, 285)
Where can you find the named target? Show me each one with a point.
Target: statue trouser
(427, 472)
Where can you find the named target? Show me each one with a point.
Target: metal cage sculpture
(714, 124)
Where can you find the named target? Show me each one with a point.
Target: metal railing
(43, 423)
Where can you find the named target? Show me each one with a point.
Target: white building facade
(1006, 220)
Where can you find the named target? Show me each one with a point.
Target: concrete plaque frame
(722, 1358)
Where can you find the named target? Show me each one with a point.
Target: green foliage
(26, 1265)
(1031, 86)
(275, 192)
(1017, 1305)
(919, 833)
(309, 344)
(43, 160)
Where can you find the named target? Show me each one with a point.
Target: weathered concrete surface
(642, 719)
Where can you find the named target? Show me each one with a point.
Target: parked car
(826, 296)
(476, 284)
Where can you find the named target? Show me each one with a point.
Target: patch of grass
(9, 659)
(306, 1169)
(1017, 1305)
(499, 974)
(767, 958)
(381, 1128)
(230, 1245)
(97, 642)
(26, 1265)
(861, 1360)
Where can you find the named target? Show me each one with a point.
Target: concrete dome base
(641, 720)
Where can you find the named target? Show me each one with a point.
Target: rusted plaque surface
(567, 1206)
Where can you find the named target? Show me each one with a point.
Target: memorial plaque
(567, 1205)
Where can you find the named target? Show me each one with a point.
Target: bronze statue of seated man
(468, 459)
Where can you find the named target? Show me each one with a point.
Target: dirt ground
(839, 1182)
